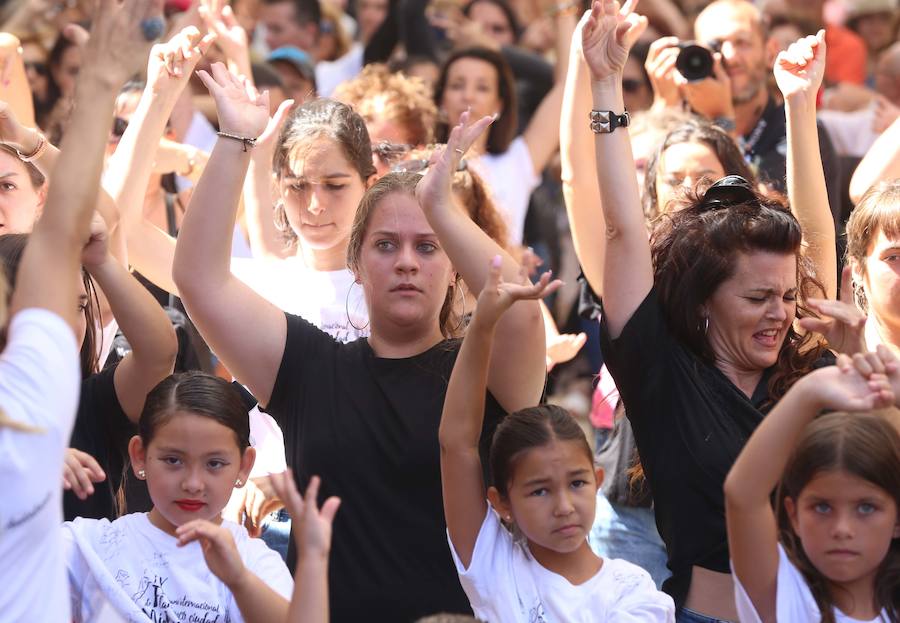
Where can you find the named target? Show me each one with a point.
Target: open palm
(607, 34)
(241, 109)
(799, 69)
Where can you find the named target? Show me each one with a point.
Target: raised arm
(14, 87)
(463, 414)
(627, 268)
(799, 71)
(518, 367)
(579, 168)
(541, 143)
(115, 50)
(881, 163)
(145, 324)
(246, 331)
(151, 250)
(752, 526)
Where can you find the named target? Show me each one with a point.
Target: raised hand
(241, 109)
(608, 35)
(434, 188)
(799, 69)
(96, 251)
(856, 383)
(14, 133)
(563, 348)
(497, 295)
(118, 48)
(219, 549)
(311, 526)
(220, 20)
(80, 471)
(172, 63)
(841, 322)
(260, 500)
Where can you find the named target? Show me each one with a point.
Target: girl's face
(403, 269)
(552, 496)
(845, 524)
(35, 58)
(320, 193)
(20, 202)
(66, 72)
(750, 313)
(683, 165)
(881, 279)
(471, 82)
(191, 466)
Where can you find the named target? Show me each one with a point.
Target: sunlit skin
(493, 22)
(404, 272)
(750, 314)
(846, 525)
(320, 192)
(471, 83)
(20, 202)
(552, 499)
(191, 466)
(743, 48)
(881, 285)
(681, 166)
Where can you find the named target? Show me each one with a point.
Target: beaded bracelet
(247, 142)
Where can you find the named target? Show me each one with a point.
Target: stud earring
(238, 482)
(142, 474)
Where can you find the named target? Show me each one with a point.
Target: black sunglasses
(728, 191)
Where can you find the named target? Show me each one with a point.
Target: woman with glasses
(698, 322)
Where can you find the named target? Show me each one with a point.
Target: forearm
(881, 162)
(257, 601)
(807, 192)
(565, 24)
(203, 254)
(463, 414)
(265, 239)
(151, 252)
(580, 191)
(309, 603)
(762, 461)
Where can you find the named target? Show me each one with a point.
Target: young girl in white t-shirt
(525, 556)
(830, 551)
(180, 561)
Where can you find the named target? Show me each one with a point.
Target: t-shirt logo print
(151, 598)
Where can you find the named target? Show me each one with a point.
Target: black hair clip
(728, 191)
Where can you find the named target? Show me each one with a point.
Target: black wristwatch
(605, 121)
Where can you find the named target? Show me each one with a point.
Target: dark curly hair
(868, 447)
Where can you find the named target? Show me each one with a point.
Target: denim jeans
(629, 533)
(277, 532)
(689, 616)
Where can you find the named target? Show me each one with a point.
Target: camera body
(695, 61)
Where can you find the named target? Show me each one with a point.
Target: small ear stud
(238, 482)
(141, 474)
(509, 518)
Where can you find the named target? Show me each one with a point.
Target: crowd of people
(311, 314)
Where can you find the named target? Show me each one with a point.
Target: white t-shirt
(329, 74)
(39, 383)
(511, 179)
(851, 133)
(506, 585)
(323, 298)
(135, 569)
(794, 601)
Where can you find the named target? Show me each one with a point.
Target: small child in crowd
(525, 556)
(830, 551)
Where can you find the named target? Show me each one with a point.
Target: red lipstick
(191, 506)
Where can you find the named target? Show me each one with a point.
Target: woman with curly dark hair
(698, 323)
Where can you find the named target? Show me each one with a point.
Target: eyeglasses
(728, 191)
(390, 153)
(420, 165)
(36, 67)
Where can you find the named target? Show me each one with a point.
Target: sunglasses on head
(729, 191)
(390, 152)
(419, 165)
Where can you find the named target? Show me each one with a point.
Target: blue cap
(299, 59)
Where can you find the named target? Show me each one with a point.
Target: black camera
(695, 62)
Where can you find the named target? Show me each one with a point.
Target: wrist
(801, 103)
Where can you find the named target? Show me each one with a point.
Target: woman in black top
(697, 326)
(363, 415)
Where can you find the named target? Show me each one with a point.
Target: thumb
(635, 25)
(815, 325)
(719, 68)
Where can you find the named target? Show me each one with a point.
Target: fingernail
(496, 261)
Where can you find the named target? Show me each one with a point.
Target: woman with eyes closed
(697, 326)
(364, 415)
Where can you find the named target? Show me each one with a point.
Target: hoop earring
(462, 316)
(347, 309)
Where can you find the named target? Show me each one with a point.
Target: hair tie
(728, 191)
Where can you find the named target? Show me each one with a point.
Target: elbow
(735, 491)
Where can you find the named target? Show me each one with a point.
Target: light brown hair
(877, 211)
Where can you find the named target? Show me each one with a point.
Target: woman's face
(877, 30)
(683, 165)
(35, 58)
(493, 22)
(403, 269)
(20, 202)
(66, 72)
(471, 83)
(320, 191)
(881, 279)
(750, 313)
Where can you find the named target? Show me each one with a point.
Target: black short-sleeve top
(690, 423)
(368, 427)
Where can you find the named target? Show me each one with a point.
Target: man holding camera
(723, 77)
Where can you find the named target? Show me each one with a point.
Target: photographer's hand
(710, 97)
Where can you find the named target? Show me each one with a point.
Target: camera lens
(694, 62)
